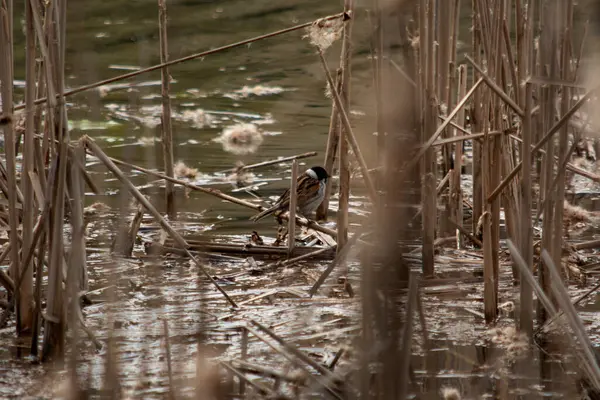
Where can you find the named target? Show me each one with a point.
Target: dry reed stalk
(497, 124)
(496, 89)
(456, 196)
(243, 356)
(219, 194)
(293, 261)
(490, 294)
(377, 55)
(476, 120)
(93, 147)
(561, 295)
(340, 258)
(427, 157)
(271, 162)
(38, 292)
(333, 140)
(344, 166)
(548, 97)
(25, 315)
(292, 210)
(55, 326)
(466, 233)
(293, 350)
(182, 59)
(172, 394)
(426, 146)
(167, 128)
(541, 142)
(77, 261)
(526, 229)
(211, 191)
(260, 389)
(564, 22)
(349, 133)
(77, 272)
(575, 302)
(444, 71)
(126, 236)
(411, 305)
(296, 357)
(6, 93)
(469, 136)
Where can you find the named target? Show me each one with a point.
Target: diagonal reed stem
(91, 145)
(184, 59)
(349, 133)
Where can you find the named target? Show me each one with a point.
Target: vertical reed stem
(54, 332)
(29, 211)
(167, 130)
(292, 211)
(344, 171)
(456, 196)
(428, 163)
(526, 316)
(6, 92)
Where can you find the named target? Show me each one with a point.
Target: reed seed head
(241, 138)
(323, 33)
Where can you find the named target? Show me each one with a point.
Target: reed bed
(519, 98)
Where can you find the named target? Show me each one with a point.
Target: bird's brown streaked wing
(307, 189)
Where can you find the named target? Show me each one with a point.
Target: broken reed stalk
(182, 59)
(6, 94)
(260, 388)
(167, 127)
(344, 170)
(292, 350)
(340, 258)
(292, 209)
(349, 132)
(271, 162)
(293, 355)
(293, 261)
(124, 240)
(93, 147)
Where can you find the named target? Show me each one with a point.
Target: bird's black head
(320, 172)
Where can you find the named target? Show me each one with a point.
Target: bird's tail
(263, 214)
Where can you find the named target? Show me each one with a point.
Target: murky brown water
(278, 84)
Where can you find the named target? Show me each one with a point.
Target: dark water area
(279, 85)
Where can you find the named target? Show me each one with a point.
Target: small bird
(310, 193)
